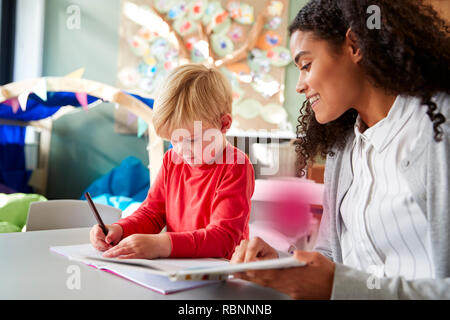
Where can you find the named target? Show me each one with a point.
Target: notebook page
(166, 265)
(78, 250)
(159, 283)
(86, 251)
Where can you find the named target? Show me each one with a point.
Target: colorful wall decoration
(246, 40)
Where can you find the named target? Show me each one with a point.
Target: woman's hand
(141, 246)
(313, 281)
(103, 242)
(253, 250)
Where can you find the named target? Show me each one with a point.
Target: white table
(29, 270)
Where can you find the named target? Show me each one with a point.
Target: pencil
(95, 212)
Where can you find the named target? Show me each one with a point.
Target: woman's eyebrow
(298, 55)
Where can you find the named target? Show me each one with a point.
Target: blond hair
(191, 92)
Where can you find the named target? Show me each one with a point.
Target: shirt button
(405, 163)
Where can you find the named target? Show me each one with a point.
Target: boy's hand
(141, 246)
(103, 242)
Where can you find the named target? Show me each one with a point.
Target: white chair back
(64, 214)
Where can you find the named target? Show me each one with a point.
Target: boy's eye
(306, 66)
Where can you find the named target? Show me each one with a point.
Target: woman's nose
(301, 85)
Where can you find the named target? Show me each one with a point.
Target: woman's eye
(306, 66)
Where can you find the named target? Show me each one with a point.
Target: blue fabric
(125, 184)
(13, 173)
(12, 138)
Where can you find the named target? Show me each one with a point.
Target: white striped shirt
(382, 225)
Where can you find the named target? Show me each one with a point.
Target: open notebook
(168, 275)
(159, 283)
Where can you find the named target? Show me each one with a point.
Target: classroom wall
(84, 145)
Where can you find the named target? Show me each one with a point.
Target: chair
(63, 214)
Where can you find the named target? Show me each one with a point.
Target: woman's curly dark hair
(408, 55)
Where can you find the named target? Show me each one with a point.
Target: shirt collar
(381, 134)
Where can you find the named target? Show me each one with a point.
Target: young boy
(202, 192)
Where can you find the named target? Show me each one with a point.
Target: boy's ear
(351, 43)
(226, 120)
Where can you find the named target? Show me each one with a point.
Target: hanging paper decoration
(275, 8)
(247, 15)
(129, 77)
(163, 6)
(13, 103)
(200, 51)
(221, 23)
(142, 127)
(268, 40)
(41, 89)
(147, 34)
(234, 7)
(190, 43)
(236, 34)
(197, 9)
(248, 109)
(242, 72)
(139, 46)
(82, 99)
(274, 113)
(178, 10)
(241, 12)
(245, 39)
(220, 17)
(131, 118)
(212, 9)
(279, 56)
(258, 61)
(238, 94)
(222, 45)
(273, 23)
(147, 84)
(77, 74)
(231, 76)
(23, 100)
(148, 68)
(266, 85)
(159, 48)
(185, 26)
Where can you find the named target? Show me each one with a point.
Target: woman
(377, 107)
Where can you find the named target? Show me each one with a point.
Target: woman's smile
(314, 100)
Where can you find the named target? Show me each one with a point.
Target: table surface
(29, 270)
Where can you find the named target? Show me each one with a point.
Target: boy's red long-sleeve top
(206, 209)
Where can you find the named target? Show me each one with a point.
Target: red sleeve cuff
(183, 244)
(126, 228)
